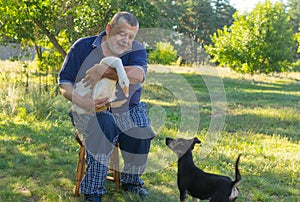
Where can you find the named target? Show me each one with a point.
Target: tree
(224, 12)
(40, 24)
(55, 25)
(38, 20)
(298, 40)
(196, 20)
(27, 21)
(260, 41)
(294, 12)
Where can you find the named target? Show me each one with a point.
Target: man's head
(120, 33)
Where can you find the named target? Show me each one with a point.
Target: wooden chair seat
(114, 165)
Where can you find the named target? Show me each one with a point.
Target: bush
(258, 42)
(163, 54)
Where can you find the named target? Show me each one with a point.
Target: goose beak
(126, 90)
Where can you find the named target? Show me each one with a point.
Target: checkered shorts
(137, 116)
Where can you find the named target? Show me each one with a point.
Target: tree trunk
(38, 51)
(51, 37)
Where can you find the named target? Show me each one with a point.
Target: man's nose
(126, 40)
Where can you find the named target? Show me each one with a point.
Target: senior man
(126, 123)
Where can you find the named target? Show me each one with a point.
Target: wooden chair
(113, 172)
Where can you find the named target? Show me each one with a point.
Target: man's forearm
(135, 74)
(67, 90)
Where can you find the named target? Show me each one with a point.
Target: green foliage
(294, 12)
(24, 94)
(298, 40)
(54, 25)
(261, 41)
(196, 19)
(163, 54)
(37, 22)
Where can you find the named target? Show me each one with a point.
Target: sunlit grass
(38, 157)
(159, 102)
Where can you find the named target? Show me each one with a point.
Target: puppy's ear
(196, 140)
(169, 140)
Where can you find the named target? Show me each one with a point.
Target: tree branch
(51, 37)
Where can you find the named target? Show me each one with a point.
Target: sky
(247, 5)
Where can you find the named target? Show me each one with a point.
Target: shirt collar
(97, 41)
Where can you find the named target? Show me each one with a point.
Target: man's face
(120, 37)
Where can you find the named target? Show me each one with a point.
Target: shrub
(163, 54)
(258, 42)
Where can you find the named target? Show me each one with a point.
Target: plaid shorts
(136, 116)
(137, 125)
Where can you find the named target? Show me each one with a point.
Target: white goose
(105, 87)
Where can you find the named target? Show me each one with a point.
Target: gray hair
(128, 17)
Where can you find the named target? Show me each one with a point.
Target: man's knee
(136, 140)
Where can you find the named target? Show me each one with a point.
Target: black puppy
(197, 183)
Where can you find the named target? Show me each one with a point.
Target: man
(126, 123)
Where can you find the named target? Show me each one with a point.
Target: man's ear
(108, 28)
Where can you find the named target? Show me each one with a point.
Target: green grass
(257, 116)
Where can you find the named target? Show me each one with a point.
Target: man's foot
(136, 189)
(92, 198)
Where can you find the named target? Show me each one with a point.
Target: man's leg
(135, 154)
(100, 135)
(96, 170)
(134, 143)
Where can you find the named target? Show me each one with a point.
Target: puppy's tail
(238, 177)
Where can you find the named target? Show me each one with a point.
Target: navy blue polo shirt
(71, 72)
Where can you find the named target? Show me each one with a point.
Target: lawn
(257, 116)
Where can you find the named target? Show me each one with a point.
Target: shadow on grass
(35, 163)
(38, 162)
(279, 100)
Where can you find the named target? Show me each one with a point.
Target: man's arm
(98, 71)
(85, 102)
(135, 74)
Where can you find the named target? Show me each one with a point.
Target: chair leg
(80, 169)
(115, 167)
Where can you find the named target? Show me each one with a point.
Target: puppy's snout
(197, 141)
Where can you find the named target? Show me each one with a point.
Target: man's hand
(93, 75)
(86, 102)
(96, 73)
(99, 103)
